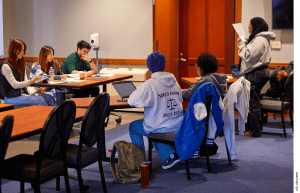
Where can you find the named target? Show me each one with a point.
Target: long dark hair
(42, 60)
(14, 49)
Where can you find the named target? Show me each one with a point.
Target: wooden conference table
(114, 103)
(192, 80)
(5, 107)
(87, 83)
(30, 120)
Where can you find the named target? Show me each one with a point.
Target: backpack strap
(113, 161)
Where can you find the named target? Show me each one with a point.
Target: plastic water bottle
(51, 73)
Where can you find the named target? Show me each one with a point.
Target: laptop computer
(235, 71)
(124, 89)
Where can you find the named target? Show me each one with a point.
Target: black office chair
(5, 133)
(84, 154)
(280, 106)
(169, 138)
(49, 162)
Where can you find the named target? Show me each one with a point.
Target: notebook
(124, 89)
(235, 71)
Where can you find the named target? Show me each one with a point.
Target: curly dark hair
(207, 62)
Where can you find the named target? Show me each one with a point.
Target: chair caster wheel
(118, 120)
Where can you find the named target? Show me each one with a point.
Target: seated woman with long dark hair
(14, 85)
(43, 63)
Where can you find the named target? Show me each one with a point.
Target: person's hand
(63, 77)
(281, 74)
(35, 79)
(238, 39)
(89, 73)
(41, 90)
(86, 58)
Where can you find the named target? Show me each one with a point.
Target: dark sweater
(219, 80)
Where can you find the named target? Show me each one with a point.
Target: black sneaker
(171, 161)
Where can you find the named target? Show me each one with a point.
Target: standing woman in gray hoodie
(255, 58)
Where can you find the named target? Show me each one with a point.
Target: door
(183, 29)
(205, 26)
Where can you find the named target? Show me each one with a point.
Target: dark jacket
(6, 89)
(219, 80)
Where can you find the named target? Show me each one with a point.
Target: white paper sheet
(239, 30)
(107, 74)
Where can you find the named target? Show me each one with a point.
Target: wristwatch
(91, 61)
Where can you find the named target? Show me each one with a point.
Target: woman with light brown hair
(14, 85)
(42, 66)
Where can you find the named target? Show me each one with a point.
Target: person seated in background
(80, 61)
(41, 67)
(206, 66)
(13, 79)
(161, 98)
(277, 80)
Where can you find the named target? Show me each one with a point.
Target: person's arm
(7, 72)
(253, 51)
(90, 65)
(141, 97)
(188, 93)
(31, 90)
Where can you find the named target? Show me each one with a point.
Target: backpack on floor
(130, 158)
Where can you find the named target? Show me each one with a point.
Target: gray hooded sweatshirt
(219, 80)
(161, 98)
(257, 53)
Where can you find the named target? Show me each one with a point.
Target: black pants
(258, 78)
(93, 92)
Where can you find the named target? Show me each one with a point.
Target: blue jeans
(136, 132)
(28, 100)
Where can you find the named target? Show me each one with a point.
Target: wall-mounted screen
(283, 16)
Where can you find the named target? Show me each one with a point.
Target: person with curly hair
(161, 98)
(206, 65)
(14, 85)
(41, 67)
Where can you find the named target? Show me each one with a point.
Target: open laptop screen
(124, 88)
(235, 70)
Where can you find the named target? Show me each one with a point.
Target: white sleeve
(31, 90)
(7, 72)
(142, 96)
(253, 51)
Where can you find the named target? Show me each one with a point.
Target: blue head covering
(156, 62)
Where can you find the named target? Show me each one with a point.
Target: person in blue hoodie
(161, 98)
